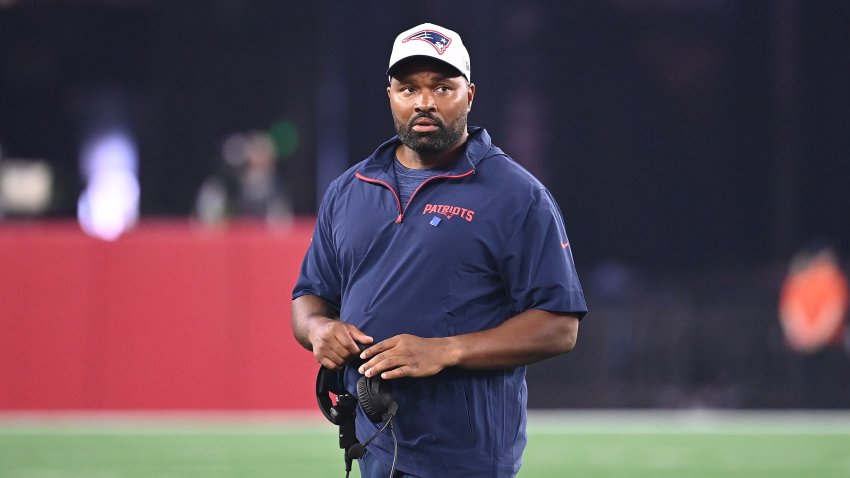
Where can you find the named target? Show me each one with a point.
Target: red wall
(169, 316)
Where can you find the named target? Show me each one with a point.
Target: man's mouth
(425, 125)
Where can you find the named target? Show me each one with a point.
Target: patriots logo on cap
(439, 41)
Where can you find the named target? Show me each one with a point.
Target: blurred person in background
(451, 263)
(813, 306)
(247, 184)
(814, 300)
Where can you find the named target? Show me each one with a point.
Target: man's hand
(407, 356)
(335, 342)
(317, 327)
(523, 339)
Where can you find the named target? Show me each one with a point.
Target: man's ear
(470, 95)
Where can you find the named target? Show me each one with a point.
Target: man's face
(430, 103)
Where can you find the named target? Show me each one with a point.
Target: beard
(446, 136)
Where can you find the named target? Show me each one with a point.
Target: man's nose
(425, 102)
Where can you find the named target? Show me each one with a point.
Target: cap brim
(410, 59)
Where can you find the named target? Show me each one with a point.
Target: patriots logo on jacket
(439, 41)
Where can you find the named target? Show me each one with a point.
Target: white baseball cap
(433, 41)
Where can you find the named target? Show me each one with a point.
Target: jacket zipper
(395, 194)
(386, 185)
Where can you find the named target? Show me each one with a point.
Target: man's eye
(443, 89)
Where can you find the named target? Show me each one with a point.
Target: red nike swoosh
(565, 245)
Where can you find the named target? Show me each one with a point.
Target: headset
(375, 398)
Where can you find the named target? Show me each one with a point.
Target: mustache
(427, 115)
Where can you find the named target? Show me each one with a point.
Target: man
(451, 262)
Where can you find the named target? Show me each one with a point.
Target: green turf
(683, 455)
(587, 449)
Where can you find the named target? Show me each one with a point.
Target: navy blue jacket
(471, 249)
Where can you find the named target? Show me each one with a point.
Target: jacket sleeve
(319, 272)
(537, 261)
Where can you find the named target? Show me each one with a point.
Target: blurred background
(161, 163)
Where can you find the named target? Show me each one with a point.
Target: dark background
(693, 147)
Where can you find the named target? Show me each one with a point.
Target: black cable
(389, 420)
(359, 449)
(395, 446)
(348, 461)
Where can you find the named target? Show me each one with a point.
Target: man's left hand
(406, 355)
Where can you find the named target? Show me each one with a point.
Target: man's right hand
(335, 342)
(317, 328)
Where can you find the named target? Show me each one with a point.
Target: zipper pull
(398, 219)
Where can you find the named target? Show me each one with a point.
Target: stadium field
(588, 444)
